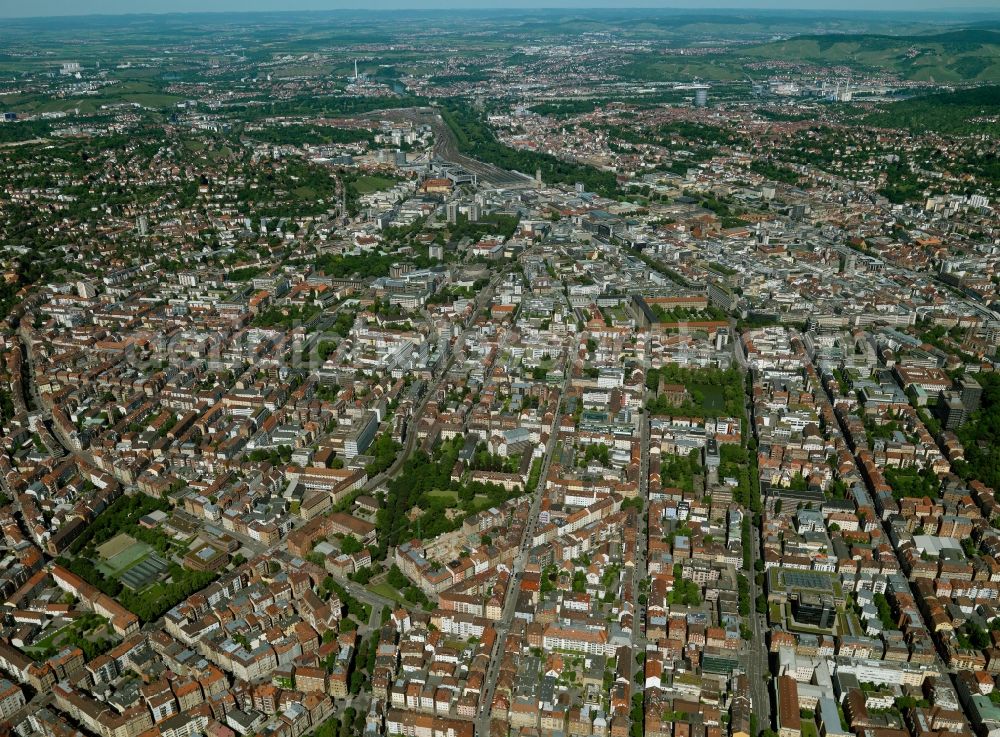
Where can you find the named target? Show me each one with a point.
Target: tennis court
(145, 572)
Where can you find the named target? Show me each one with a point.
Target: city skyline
(68, 8)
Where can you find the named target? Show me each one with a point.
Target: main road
(482, 300)
(755, 652)
(510, 603)
(640, 571)
(44, 406)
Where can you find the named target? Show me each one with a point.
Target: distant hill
(969, 55)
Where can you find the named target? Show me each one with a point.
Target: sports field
(121, 552)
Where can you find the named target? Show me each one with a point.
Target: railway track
(446, 148)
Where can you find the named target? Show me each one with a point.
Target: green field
(223, 152)
(117, 544)
(141, 93)
(714, 402)
(368, 183)
(120, 553)
(384, 589)
(304, 70)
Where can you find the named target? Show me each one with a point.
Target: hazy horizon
(70, 8)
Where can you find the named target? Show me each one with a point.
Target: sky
(36, 8)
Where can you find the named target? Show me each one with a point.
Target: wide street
(510, 604)
(755, 653)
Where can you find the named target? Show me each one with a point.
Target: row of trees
(743, 584)
(122, 515)
(734, 462)
(152, 602)
(687, 314)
